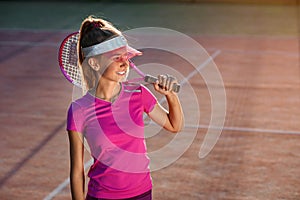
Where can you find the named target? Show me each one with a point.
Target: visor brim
(133, 52)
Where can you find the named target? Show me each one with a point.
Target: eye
(116, 58)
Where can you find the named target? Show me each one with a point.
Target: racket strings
(70, 60)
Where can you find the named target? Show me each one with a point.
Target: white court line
(15, 115)
(30, 30)
(244, 129)
(256, 52)
(224, 50)
(65, 183)
(240, 129)
(239, 36)
(25, 43)
(197, 70)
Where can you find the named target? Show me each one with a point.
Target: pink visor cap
(110, 45)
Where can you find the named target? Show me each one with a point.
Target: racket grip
(151, 79)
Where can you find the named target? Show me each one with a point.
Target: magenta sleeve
(149, 100)
(75, 118)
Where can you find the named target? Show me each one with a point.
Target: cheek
(111, 68)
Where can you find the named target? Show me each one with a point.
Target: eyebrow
(119, 54)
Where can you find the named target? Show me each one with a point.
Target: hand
(165, 84)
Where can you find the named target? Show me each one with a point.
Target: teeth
(121, 73)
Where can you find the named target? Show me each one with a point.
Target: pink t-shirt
(115, 134)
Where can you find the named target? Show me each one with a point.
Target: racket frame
(60, 60)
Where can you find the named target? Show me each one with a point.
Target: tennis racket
(68, 63)
(148, 78)
(67, 59)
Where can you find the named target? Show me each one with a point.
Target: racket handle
(151, 79)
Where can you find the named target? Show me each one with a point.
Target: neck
(107, 90)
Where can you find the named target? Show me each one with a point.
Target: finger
(156, 86)
(162, 81)
(167, 82)
(170, 82)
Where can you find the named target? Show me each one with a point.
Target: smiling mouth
(121, 73)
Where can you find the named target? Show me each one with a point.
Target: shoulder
(82, 101)
(144, 89)
(135, 87)
(138, 90)
(79, 105)
(132, 87)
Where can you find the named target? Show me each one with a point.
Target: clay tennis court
(256, 50)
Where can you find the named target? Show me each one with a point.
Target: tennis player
(110, 117)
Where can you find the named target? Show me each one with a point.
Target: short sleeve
(75, 118)
(149, 100)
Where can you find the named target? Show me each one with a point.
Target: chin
(125, 77)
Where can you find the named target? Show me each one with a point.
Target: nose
(124, 58)
(124, 63)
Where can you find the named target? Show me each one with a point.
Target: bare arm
(77, 166)
(171, 120)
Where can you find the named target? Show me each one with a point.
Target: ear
(93, 62)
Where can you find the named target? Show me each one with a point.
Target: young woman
(110, 117)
